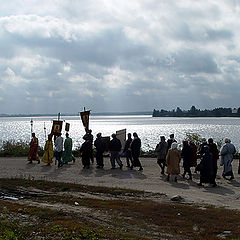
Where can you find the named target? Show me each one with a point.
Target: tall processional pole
(31, 122)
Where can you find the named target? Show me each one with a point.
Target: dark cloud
(195, 61)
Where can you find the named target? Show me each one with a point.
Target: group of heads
(162, 138)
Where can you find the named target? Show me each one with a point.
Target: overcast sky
(118, 55)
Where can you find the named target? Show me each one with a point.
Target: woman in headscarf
(187, 154)
(172, 160)
(48, 151)
(226, 156)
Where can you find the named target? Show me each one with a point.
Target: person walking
(170, 140)
(206, 167)
(86, 151)
(59, 149)
(135, 149)
(127, 150)
(161, 152)
(100, 148)
(115, 147)
(201, 146)
(67, 154)
(187, 154)
(172, 161)
(194, 150)
(48, 151)
(226, 157)
(33, 151)
(89, 136)
(215, 156)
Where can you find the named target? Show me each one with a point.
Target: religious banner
(56, 127)
(67, 127)
(121, 135)
(85, 119)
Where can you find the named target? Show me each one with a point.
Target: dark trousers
(136, 162)
(99, 158)
(91, 156)
(58, 156)
(85, 161)
(128, 158)
(162, 164)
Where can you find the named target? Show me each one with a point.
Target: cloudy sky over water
(112, 55)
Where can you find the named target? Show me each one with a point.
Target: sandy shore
(226, 194)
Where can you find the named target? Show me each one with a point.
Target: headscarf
(174, 145)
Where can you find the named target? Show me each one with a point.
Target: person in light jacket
(226, 157)
(172, 160)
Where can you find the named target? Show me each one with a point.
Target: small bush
(12, 148)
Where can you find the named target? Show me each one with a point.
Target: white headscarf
(174, 145)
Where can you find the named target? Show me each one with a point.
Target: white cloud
(56, 54)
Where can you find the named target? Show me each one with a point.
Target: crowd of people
(167, 152)
(168, 155)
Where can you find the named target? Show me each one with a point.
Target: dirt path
(227, 193)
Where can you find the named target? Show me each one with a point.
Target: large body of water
(148, 128)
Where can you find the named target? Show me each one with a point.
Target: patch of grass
(13, 229)
(128, 218)
(14, 183)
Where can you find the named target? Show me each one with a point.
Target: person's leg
(101, 160)
(200, 183)
(168, 177)
(163, 166)
(127, 159)
(119, 160)
(184, 173)
(61, 162)
(98, 158)
(112, 159)
(91, 156)
(190, 174)
(88, 161)
(57, 158)
(232, 176)
(130, 157)
(139, 164)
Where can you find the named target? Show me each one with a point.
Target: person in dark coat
(201, 146)
(194, 149)
(89, 136)
(206, 169)
(187, 154)
(170, 141)
(161, 152)
(100, 148)
(115, 147)
(135, 149)
(86, 150)
(215, 156)
(127, 150)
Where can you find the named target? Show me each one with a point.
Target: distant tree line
(194, 112)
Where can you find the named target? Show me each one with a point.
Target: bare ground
(226, 194)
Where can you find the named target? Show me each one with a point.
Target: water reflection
(149, 129)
